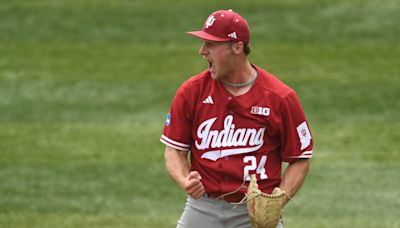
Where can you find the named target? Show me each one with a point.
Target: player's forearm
(294, 177)
(177, 165)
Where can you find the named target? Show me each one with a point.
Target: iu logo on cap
(210, 21)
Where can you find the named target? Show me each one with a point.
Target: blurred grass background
(85, 86)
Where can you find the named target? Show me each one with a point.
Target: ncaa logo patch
(168, 120)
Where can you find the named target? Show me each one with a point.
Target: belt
(233, 198)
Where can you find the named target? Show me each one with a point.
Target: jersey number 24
(251, 162)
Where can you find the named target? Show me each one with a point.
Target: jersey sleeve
(178, 124)
(296, 138)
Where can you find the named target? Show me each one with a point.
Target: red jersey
(231, 137)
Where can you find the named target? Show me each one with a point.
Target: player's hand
(193, 186)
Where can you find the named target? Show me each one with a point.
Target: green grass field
(85, 86)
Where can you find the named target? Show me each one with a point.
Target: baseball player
(235, 119)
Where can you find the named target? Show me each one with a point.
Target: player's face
(218, 56)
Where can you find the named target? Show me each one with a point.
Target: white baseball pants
(208, 212)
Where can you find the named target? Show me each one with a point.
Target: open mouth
(210, 64)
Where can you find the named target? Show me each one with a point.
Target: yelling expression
(218, 56)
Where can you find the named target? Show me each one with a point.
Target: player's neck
(241, 79)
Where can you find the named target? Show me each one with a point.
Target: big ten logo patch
(262, 111)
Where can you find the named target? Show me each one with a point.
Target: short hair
(246, 48)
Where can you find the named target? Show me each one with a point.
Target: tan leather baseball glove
(264, 209)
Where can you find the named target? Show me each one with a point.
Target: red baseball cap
(224, 25)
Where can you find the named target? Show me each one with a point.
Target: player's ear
(237, 47)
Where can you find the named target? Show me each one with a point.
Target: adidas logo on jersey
(208, 100)
(232, 35)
